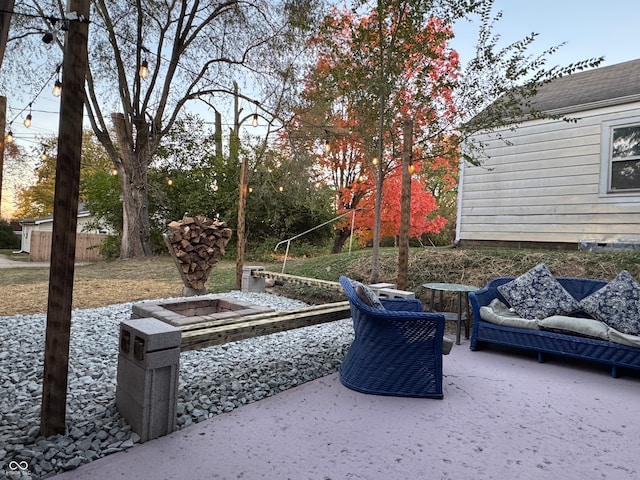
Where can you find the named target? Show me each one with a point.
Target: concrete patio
(504, 416)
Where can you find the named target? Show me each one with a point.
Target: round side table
(461, 290)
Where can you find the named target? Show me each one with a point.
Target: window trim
(606, 137)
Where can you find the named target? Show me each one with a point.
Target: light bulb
(57, 88)
(254, 122)
(9, 137)
(44, 156)
(327, 146)
(144, 69)
(27, 121)
(375, 160)
(169, 181)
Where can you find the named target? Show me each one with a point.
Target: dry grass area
(87, 293)
(25, 290)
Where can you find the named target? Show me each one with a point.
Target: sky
(590, 29)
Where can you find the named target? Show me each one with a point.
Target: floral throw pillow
(617, 304)
(536, 294)
(367, 295)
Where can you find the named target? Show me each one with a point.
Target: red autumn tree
(423, 205)
(341, 99)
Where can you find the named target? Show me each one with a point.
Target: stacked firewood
(197, 243)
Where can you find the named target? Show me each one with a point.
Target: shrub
(8, 238)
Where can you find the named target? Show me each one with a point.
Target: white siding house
(45, 224)
(559, 182)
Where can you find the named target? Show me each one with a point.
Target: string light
(43, 156)
(9, 137)
(327, 146)
(144, 69)
(29, 117)
(254, 122)
(57, 86)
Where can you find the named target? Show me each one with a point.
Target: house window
(624, 158)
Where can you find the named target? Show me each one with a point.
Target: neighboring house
(43, 228)
(567, 184)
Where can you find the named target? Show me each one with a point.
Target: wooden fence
(40, 247)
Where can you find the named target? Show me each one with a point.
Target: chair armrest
(402, 304)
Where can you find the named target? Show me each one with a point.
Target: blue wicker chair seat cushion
(395, 351)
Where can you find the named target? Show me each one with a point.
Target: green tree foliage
(284, 201)
(36, 201)
(8, 239)
(189, 176)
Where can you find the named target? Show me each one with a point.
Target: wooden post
(65, 218)
(405, 205)
(3, 126)
(234, 153)
(5, 18)
(6, 9)
(242, 202)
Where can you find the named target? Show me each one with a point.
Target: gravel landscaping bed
(212, 380)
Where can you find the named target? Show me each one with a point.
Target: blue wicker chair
(396, 350)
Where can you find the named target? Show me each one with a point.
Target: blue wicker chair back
(396, 350)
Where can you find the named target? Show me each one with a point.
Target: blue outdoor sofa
(397, 349)
(549, 341)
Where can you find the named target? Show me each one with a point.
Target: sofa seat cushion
(498, 313)
(536, 294)
(623, 338)
(584, 327)
(617, 304)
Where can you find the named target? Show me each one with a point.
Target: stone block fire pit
(208, 308)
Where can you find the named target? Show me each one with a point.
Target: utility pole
(405, 204)
(65, 219)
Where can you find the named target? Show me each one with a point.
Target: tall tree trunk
(377, 210)
(132, 169)
(405, 205)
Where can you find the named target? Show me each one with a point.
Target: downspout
(459, 207)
